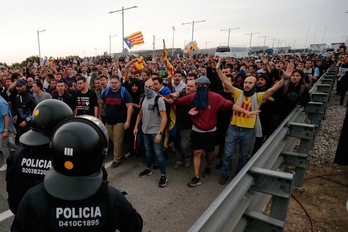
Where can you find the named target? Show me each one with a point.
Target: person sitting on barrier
(243, 128)
(74, 195)
(291, 94)
(28, 166)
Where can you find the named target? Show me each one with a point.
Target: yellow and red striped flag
(134, 39)
(138, 65)
(169, 66)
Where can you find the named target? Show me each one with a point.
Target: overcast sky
(83, 27)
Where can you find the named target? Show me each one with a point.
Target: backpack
(156, 106)
(107, 90)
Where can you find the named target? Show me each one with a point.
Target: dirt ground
(320, 205)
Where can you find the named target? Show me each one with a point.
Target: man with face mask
(154, 118)
(243, 128)
(204, 106)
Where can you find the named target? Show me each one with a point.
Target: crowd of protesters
(112, 89)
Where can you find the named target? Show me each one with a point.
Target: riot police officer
(28, 166)
(74, 196)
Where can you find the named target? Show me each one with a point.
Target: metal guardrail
(240, 205)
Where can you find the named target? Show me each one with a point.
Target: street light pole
(264, 39)
(38, 40)
(122, 10)
(154, 46)
(110, 42)
(229, 31)
(251, 36)
(206, 44)
(173, 41)
(193, 26)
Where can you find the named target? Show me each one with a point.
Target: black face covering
(201, 99)
(250, 92)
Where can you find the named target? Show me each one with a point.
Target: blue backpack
(107, 90)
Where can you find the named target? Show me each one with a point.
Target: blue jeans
(150, 145)
(234, 135)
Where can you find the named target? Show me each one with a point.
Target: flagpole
(122, 10)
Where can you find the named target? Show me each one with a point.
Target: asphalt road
(172, 208)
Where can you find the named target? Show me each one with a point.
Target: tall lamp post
(38, 41)
(173, 41)
(110, 42)
(229, 31)
(193, 26)
(251, 36)
(154, 46)
(206, 44)
(122, 10)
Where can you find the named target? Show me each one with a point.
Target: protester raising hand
(288, 72)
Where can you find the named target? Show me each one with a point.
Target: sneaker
(3, 167)
(146, 172)
(223, 180)
(163, 181)
(206, 172)
(115, 164)
(195, 181)
(177, 165)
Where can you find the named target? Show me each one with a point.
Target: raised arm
(279, 84)
(223, 78)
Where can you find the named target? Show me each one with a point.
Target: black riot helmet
(46, 116)
(78, 148)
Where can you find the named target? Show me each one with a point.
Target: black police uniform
(25, 104)
(107, 210)
(25, 169)
(74, 196)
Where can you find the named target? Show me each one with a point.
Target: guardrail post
(306, 133)
(279, 185)
(315, 111)
(325, 88)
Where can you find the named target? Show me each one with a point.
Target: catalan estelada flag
(134, 39)
(169, 66)
(138, 65)
(191, 46)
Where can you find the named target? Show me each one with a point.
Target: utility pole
(264, 39)
(193, 26)
(173, 41)
(38, 40)
(251, 36)
(206, 43)
(229, 31)
(110, 42)
(122, 10)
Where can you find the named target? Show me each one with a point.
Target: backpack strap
(156, 104)
(107, 90)
(302, 89)
(285, 88)
(122, 92)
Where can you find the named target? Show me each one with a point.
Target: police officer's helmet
(46, 116)
(78, 148)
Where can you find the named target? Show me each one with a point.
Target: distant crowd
(114, 89)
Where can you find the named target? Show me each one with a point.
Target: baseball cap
(21, 83)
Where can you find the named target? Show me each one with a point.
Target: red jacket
(206, 119)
